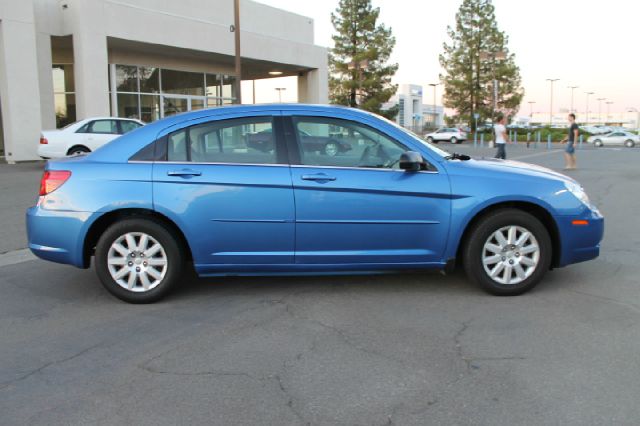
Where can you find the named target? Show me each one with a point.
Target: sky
(592, 44)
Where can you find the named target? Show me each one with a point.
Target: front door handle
(318, 177)
(184, 172)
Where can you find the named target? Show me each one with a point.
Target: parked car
(615, 138)
(84, 136)
(450, 134)
(331, 146)
(188, 190)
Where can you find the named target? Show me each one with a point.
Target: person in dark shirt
(570, 140)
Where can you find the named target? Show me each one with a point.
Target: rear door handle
(184, 172)
(318, 177)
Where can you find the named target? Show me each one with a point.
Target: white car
(83, 136)
(446, 134)
(615, 138)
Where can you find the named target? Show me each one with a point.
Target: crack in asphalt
(5, 385)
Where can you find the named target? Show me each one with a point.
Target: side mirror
(411, 161)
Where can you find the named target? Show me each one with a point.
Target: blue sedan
(193, 191)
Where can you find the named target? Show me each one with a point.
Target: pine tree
(472, 61)
(359, 73)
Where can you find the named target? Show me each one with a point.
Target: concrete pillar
(313, 87)
(90, 60)
(19, 83)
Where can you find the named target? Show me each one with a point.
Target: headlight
(577, 192)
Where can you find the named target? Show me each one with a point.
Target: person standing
(570, 140)
(501, 137)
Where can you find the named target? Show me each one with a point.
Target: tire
(454, 140)
(482, 243)
(130, 286)
(597, 143)
(331, 149)
(430, 140)
(77, 150)
(629, 143)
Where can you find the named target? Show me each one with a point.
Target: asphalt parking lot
(410, 349)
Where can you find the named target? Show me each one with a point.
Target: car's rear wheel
(138, 261)
(331, 149)
(629, 143)
(430, 139)
(454, 140)
(78, 150)
(597, 143)
(507, 252)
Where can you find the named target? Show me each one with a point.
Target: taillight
(43, 140)
(52, 180)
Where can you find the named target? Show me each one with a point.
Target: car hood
(512, 167)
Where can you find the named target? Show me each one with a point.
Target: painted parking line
(15, 257)
(537, 154)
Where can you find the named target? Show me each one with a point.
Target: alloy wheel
(137, 262)
(510, 255)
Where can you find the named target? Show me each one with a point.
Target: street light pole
(572, 89)
(587, 111)
(608, 105)
(280, 89)
(551, 80)
(600, 109)
(637, 111)
(531, 109)
(238, 66)
(434, 85)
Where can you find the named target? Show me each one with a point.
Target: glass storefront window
(182, 82)
(149, 108)
(151, 93)
(128, 105)
(64, 94)
(63, 78)
(227, 86)
(149, 79)
(65, 107)
(126, 78)
(213, 85)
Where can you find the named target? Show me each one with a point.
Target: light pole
(280, 90)
(531, 109)
(494, 56)
(551, 80)
(435, 114)
(572, 89)
(637, 111)
(235, 28)
(608, 105)
(600, 109)
(587, 110)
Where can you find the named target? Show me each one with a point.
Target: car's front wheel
(454, 140)
(597, 143)
(138, 260)
(507, 252)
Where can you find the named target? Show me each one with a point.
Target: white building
(64, 60)
(412, 112)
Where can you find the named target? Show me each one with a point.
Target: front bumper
(57, 236)
(580, 242)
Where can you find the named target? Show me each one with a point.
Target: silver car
(615, 138)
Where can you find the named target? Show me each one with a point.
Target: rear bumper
(580, 243)
(57, 236)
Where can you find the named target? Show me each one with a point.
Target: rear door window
(238, 141)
